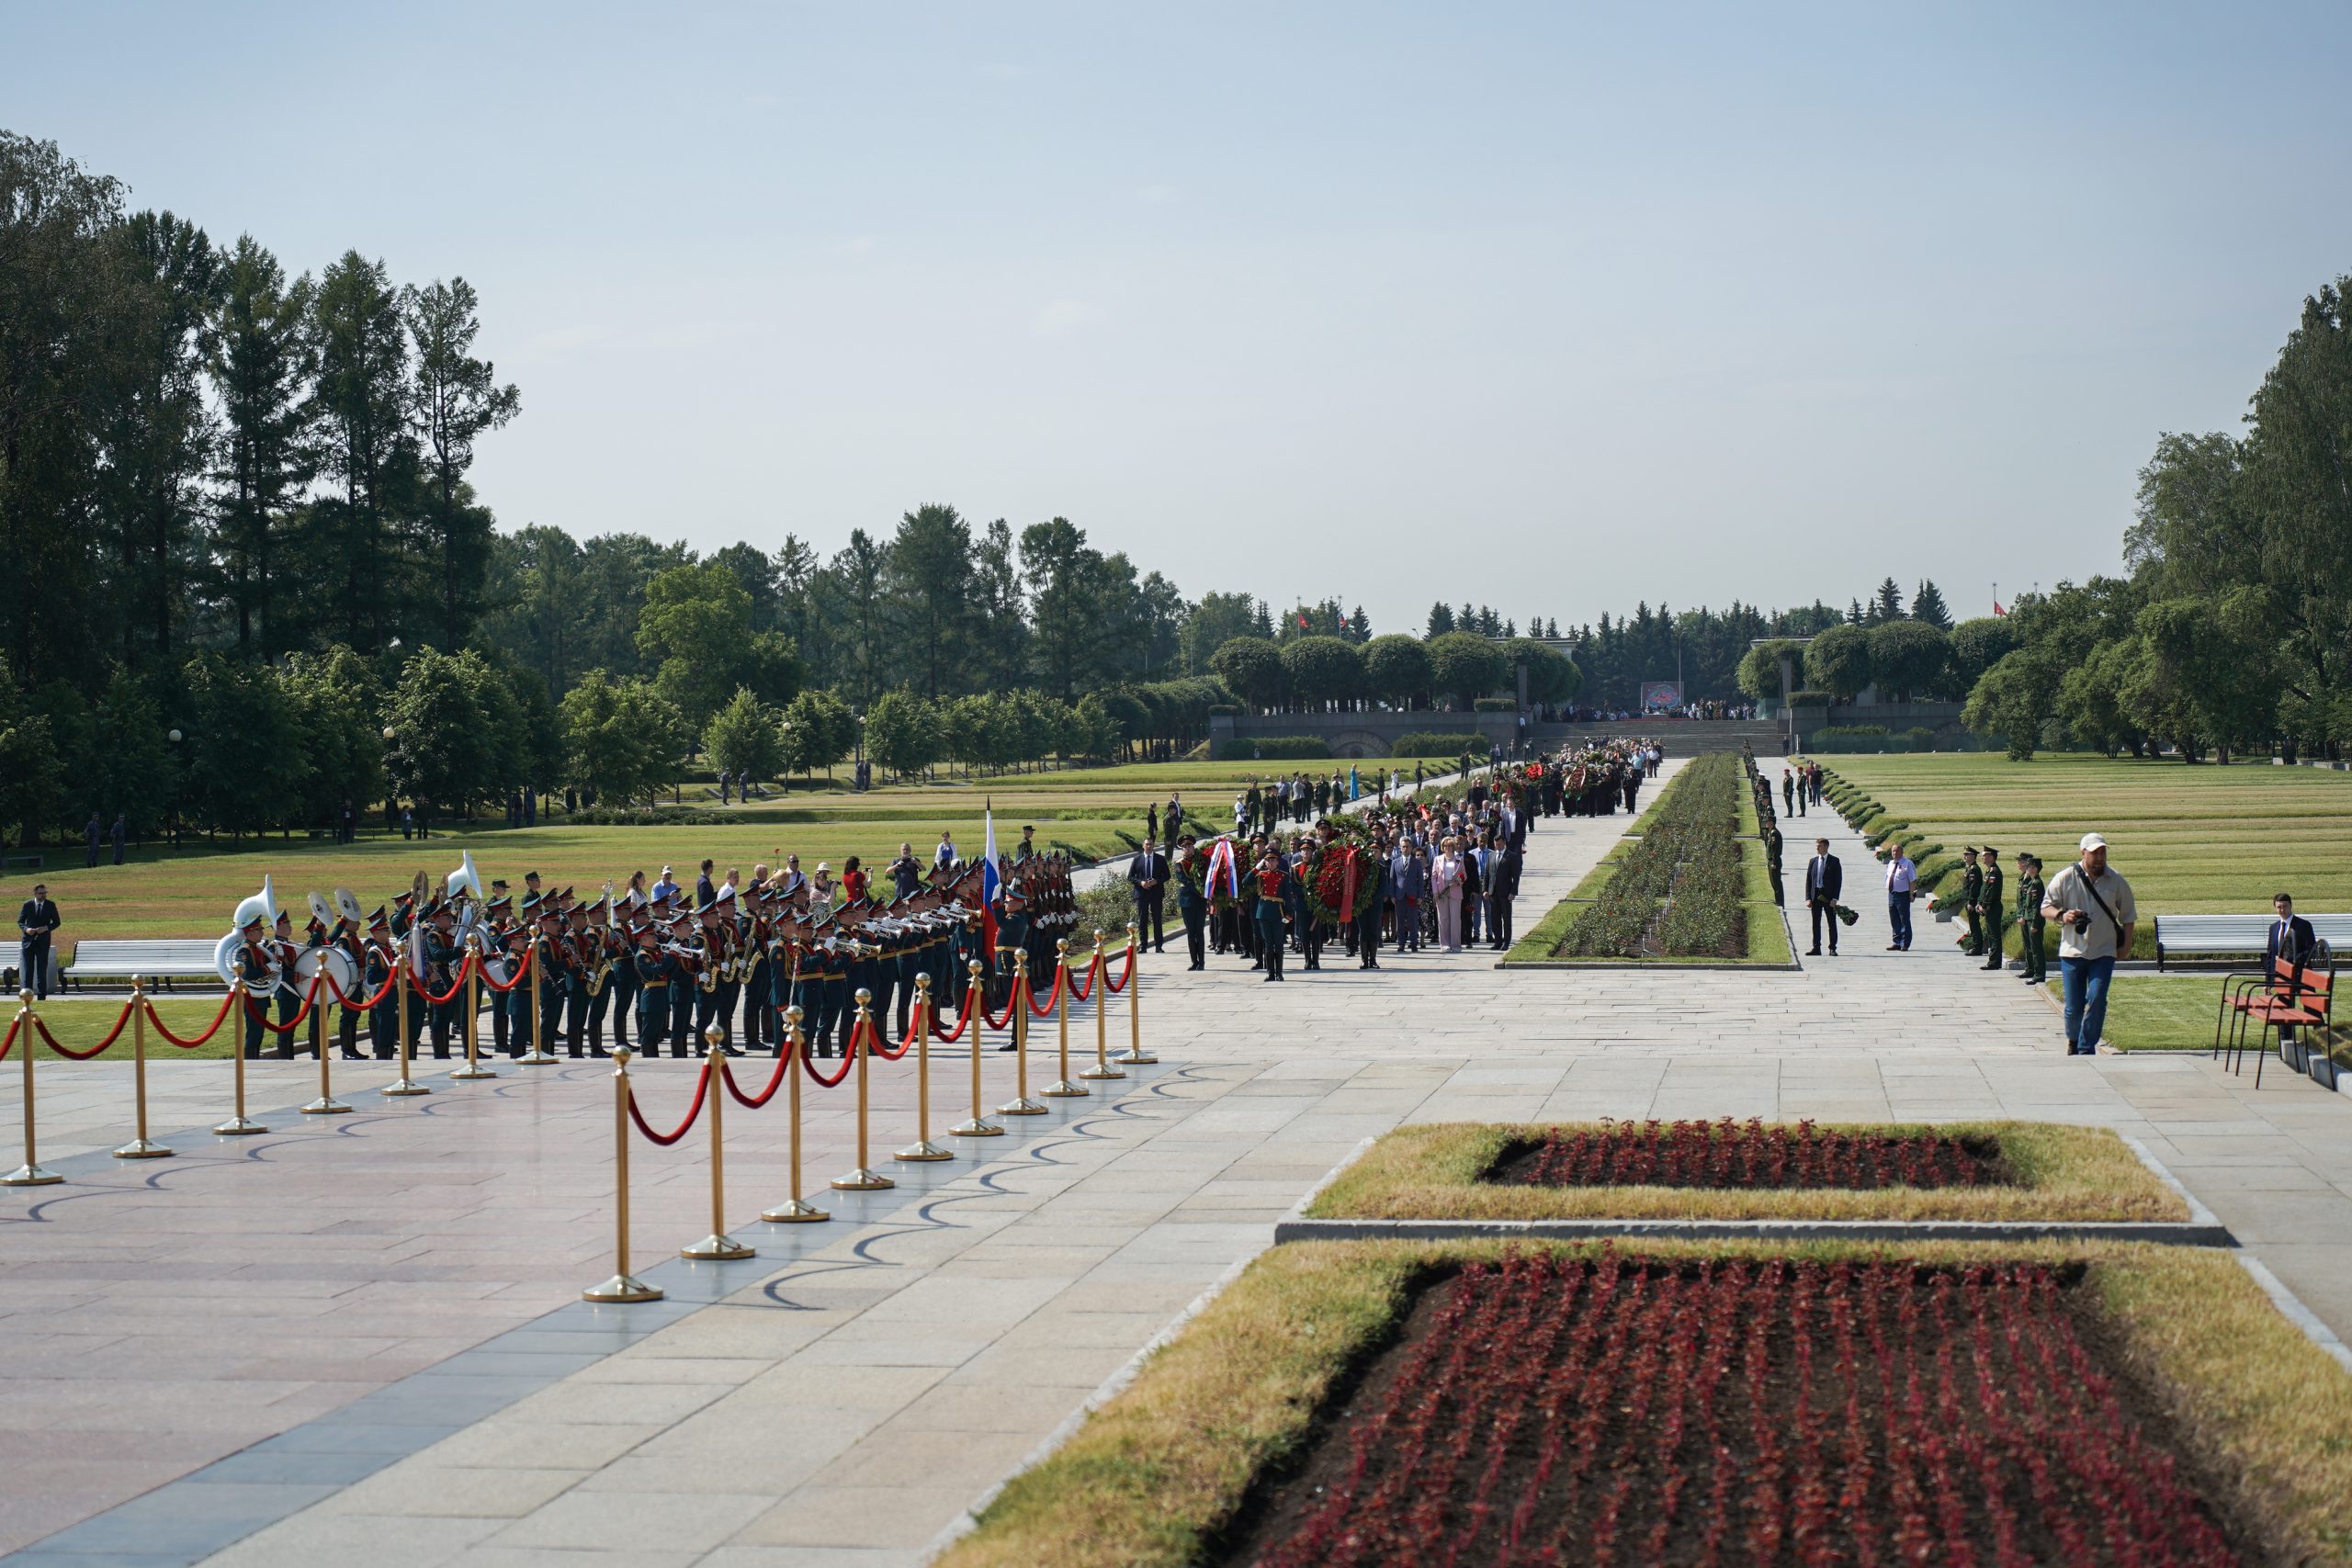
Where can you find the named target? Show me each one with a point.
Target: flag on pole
(989, 883)
(1996, 608)
(1301, 620)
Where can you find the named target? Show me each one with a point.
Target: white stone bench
(164, 959)
(2214, 936)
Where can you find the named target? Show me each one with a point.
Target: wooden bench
(35, 861)
(161, 959)
(2286, 995)
(2224, 936)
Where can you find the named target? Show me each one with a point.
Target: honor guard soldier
(352, 944)
(498, 942)
(729, 946)
(752, 931)
(811, 992)
(629, 917)
(657, 977)
(289, 995)
(606, 954)
(580, 968)
(253, 965)
(555, 972)
(382, 960)
(443, 959)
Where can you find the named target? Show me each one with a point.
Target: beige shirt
(2095, 937)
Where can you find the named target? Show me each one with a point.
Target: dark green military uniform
(2030, 923)
(1992, 911)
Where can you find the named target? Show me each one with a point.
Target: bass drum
(499, 967)
(342, 972)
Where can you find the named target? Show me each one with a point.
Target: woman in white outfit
(1445, 881)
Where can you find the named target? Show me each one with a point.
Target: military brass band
(657, 968)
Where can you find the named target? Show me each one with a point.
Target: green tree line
(2230, 629)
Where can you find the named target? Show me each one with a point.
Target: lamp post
(174, 737)
(857, 776)
(784, 727)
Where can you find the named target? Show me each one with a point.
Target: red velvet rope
(522, 970)
(9, 1039)
(40, 1027)
(456, 984)
(336, 993)
(1126, 974)
(1003, 1020)
(962, 1019)
(873, 1043)
(1079, 993)
(776, 1080)
(702, 1089)
(809, 1063)
(191, 1043)
(1061, 976)
(261, 1013)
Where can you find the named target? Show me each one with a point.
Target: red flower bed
(1727, 1153)
(1629, 1411)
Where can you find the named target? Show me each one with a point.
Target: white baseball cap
(2093, 841)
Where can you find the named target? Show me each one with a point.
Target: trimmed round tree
(1251, 668)
(1907, 657)
(1466, 666)
(1323, 668)
(1396, 667)
(1838, 662)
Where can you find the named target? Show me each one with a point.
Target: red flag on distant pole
(1301, 620)
(1996, 608)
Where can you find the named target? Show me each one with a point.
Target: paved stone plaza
(364, 1336)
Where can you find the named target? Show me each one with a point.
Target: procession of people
(1429, 870)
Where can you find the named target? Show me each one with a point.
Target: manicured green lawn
(2189, 838)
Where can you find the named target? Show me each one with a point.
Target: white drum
(341, 971)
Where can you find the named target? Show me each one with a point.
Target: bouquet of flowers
(1847, 916)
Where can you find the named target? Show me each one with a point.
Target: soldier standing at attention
(2030, 891)
(1989, 905)
(1971, 888)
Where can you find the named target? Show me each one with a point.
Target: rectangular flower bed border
(2071, 1176)
(1156, 1474)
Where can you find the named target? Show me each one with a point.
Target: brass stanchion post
(1062, 1087)
(470, 976)
(540, 1055)
(139, 1147)
(28, 1174)
(923, 1148)
(717, 1247)
(326, 1104)
(406, 1085)
(1102, 1067)
(1021, 1104)
(980, 1126)
(864, 1178)
(239, 1124)
(623, 1286)
(792, 1211)
(1133, 1056)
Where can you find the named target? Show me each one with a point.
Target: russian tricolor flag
(990, 881)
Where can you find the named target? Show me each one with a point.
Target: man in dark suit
(1823, 880)
(2291, 942)
(1148, 878)
(35, 919)
(1506, 889)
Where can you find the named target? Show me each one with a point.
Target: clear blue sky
(1549, 306)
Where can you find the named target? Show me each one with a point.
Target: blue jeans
(2086, 981)
(1898, 917)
